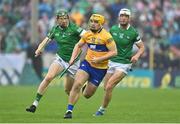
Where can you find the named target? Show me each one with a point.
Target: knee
(108, 88)
(87, 96)
(76, 87)
(67, 91)
(49, 78)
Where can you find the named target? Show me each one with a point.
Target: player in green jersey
(125, 37)
(66, 34)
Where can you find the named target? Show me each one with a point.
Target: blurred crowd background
(158, 22)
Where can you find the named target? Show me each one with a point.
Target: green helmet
(61, 13)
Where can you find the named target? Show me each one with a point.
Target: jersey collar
(127, 26)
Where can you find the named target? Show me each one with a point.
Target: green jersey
(124, 38)
(66, 39)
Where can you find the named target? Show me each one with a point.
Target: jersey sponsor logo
(124, 36)
(115, 34)
(92, 46)
(128, 37)
(69, 33)
(121, 35)
(57, 34)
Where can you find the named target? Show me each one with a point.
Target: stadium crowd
(158, 22)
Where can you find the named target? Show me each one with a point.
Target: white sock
(35, 103)
(102, 109)
(68, 111)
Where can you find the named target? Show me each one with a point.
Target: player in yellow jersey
(101, 47)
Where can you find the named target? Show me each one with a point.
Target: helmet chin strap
(95, 31)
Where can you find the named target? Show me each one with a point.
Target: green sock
(38, 97)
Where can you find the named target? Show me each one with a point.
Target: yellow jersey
(97, 46)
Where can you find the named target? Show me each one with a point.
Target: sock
(70, 107)
(102, 109)
(37, 99)
(35, 103)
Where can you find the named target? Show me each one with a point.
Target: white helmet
(125, 12)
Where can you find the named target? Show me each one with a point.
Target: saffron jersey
(97, 46)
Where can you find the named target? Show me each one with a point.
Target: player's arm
(140, 51)
(112, 51)
(46, 40)
(76, 51)
(41, 46)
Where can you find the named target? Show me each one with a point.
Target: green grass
(128, 105)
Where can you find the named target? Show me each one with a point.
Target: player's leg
(69, 80)
(115, 73)
(101, 109)
(80, 78)
(96, 76)
(85, 93)
(111, 83)
(106, 78)
(89, 90)
(121, 70)
(109, 73)
(54, 69)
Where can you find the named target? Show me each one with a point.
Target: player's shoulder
(87, 34)
(133, 29)
(114, 27)
(55, 27)
(105, 32)
(72, 24)
(75, 27)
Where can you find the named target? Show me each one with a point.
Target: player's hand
(134, 59)
(96, 60)
(38, 52)
(71, 61)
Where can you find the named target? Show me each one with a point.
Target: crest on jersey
(93, 39)
(121, 35)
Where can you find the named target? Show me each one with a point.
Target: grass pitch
(127, 106)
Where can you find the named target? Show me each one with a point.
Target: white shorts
(113, 66)
(72, 70)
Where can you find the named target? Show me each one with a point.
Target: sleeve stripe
(139, 41)
(82, 32)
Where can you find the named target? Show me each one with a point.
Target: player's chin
(123, 23)
(93, 29)
(64, 25)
